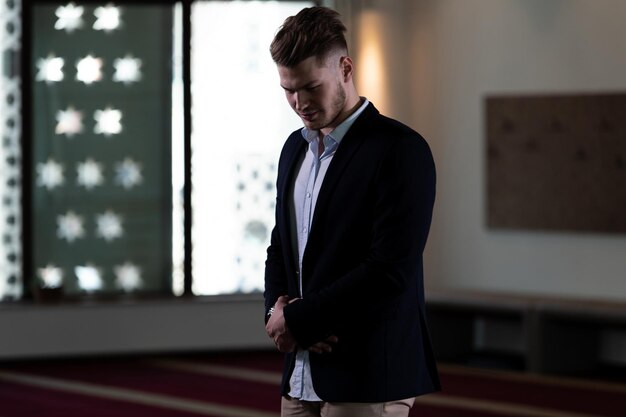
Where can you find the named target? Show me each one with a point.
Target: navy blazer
(362, 266)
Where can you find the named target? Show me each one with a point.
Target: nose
(301, 100)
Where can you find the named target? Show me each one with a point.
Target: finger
(283, 343)
(321, 347)
(278, 343)
(315, 349)
(285, 347)
(332, 339)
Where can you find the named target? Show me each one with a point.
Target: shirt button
(308, 195)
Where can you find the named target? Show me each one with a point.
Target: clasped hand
(276, 329)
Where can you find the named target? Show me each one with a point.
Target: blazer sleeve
(276, 277)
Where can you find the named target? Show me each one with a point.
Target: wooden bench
(538, 334)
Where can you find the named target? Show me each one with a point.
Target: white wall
(132, 327)
(442, 57)
(464, 50)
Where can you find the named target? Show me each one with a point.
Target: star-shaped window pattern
(69, 122)
(51, 276)
(108, 121)
(69, 17)
(107, 18)
(128, 173)
(89, 174)
(109, 226)
(50, 174)
(50, 69)
(102, 88)
(127, 70)
(128, 277)
(89, 69)
(89, 277)
(70, 227)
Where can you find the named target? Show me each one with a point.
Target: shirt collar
(340, 131)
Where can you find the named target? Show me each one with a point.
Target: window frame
(26, 72)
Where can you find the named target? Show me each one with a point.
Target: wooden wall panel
(557, 162)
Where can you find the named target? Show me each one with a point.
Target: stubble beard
(329, 117)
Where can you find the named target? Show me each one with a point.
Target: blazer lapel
(350, 143)
(293, 157)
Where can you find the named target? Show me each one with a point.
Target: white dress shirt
(307, 186)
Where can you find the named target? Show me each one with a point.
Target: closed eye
(308, 88)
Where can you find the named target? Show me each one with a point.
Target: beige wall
(440, 59)
(461, 51)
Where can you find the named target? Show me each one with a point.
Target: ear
(347, 68)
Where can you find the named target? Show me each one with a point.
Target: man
(343, 281)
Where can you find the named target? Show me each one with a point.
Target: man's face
(315, 90)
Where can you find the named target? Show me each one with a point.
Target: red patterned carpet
(245, 384)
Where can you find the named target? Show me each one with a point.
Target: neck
(350, 108)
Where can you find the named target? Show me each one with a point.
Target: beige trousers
(296, 408)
